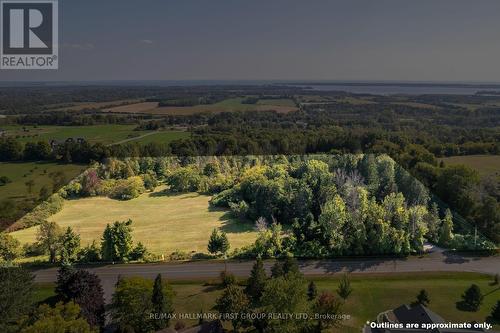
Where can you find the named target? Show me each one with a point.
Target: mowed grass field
(163, 223)
(106, 134)
(20, 173)
(231, 104)
(371, 295)
(484, 164)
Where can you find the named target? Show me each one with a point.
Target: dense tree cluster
(335, 205)
(135, 299)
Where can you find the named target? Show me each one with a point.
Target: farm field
(163, 223)
(162, 136)
(20, 173)
(106, 134)
(484, 164)
(371, 295)
(232, 104)
(90, 105)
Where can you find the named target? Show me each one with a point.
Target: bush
(150, 181)
(33, 250)
(138, 252)
(179, 255)
(72, 190)
(223, 198)
(239, 210)
(9, 247)
(4, 180)
(90, 253)
(126, 189)
(217, 183)
(185, 179)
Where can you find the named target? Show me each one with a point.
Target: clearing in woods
(163, 223)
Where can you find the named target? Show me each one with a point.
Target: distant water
(374, 88)
(403, 89)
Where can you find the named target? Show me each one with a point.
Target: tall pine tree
(256, 281)
(162, 303)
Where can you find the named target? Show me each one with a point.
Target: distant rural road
(435, 262)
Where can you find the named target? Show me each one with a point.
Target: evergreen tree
(344, 289)
(218, 242)
(473, 298)
(116, 242)
(233, 300)
(123, 238)
(256, 281)
(70, 244)
(108, 248)
(290, 266)
(159, 305)
(312, 291)
(433, 223)
(446, 230)
(423, 298)
(277, 269)
(214, 242)
(224, 243)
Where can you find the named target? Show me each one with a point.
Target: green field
(99, 133)
(163, 223)
(106, 134)
(371, 295)
(39, 172)
(230, 104)
(484, 164)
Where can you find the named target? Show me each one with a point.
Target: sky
(360, 40)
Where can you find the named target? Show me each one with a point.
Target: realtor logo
(29, 34)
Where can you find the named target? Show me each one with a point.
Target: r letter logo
(29, 34)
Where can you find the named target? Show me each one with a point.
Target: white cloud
(147, 41)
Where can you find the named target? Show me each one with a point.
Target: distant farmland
(484, 164)
(106, 134)
(232, 104)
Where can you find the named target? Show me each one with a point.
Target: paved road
(435, 262)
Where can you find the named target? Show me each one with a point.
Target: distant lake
(403, 89)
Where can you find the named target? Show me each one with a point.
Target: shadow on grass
(232, 225)
(168, 193)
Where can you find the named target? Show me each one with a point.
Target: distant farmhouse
(56, 143)
(416, 314)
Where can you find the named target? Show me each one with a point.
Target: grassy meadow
(163, 223)
(371, 295)
(486, 165)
